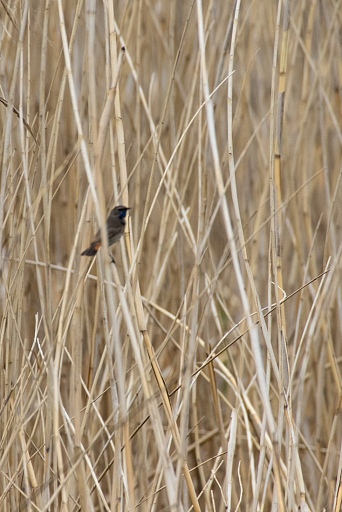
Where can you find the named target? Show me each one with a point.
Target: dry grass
(204, 370)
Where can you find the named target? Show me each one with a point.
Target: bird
(115, 229)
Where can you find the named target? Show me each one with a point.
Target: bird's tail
(92, 249)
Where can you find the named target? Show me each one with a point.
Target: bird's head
(121, 211)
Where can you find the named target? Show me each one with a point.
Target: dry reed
(203, 371)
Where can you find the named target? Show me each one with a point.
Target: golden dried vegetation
(203, 371)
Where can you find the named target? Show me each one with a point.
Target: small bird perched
(115, 229)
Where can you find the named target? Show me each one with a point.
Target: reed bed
(203, 370)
